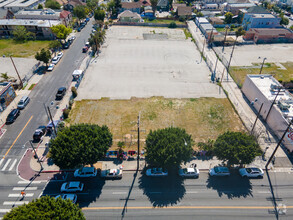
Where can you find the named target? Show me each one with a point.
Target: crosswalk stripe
(28, 182)
(8, 161)
(4, 210)
(19, 195)
(12, 165)
(16, 203)
(1, 161)
(25, 188)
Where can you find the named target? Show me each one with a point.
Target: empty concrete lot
(145, 62)
(245, 55)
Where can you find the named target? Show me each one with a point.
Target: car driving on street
(72, 197)
(12, 116)
(111, 174)
(60, 93)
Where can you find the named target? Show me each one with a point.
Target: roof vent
(262, 77)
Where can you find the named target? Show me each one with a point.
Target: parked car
(72, 197)
(112, 174)
(66, 45)
(55, 60)
(12, 116)
(60, 93)
(39, 132)
(60, 55)
(50, 67)
(189, 172)
(78, 29)
(85, 49)
(157, 172)
(72, 186)
(251, 172)
(85, 172)
(71, 39)
(23, 102)
(219, 171)
(87, 19)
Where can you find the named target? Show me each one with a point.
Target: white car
(157, 172)
(189, 172)
(219, 171)
(50, 67)
(72, 187)
(251, 172)
(72, 197)
(85, 172)
(55, 60)
(60, 54)
(112, 174)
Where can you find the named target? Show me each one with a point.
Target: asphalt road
(141, 197)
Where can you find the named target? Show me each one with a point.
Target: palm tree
(97, 39)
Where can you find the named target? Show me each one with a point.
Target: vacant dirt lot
(144, 62)
(203, 118)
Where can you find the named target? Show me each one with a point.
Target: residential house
(6, 14)
(69, 6)
(129, 16)
(163, 5)
(213, 1)
(269, 35)
(41, 28)
(131, 6)
(216, 20)
(65, 17)
(175, 6)
(184, 11)
(234, 8)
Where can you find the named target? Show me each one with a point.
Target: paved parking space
(131, 66)
(245, 55)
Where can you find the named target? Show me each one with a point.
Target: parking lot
(145, 62)
(245, 55)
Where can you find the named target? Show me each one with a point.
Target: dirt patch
(203, 118)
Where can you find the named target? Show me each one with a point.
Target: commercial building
(7, 95)
(269, 35)
(17, 5)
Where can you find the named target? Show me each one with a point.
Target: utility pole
(256, 118)
(279, 89)
(138, 121)
(214, 73)
(36, 155)
(262, 65)
(227, 27)
(279, 143)
(52, 120)
(21, 84)
(202, 49)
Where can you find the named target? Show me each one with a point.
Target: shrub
(66, 113)
(74, 92)
(182, 18)
(172, 25)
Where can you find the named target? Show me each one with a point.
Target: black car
(60, 93)
(12, 116)
(41, 130)
(66, 45)
(79, 29)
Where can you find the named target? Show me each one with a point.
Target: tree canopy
(44, 56)
(61, 31)
(240, 31)
(168, 147)
(92, 4)
(54, 45)
(46, 208)
(80, 144)
(236, 148)
(99, 15)
(284, 20)
(228, 18)
(97, 39)
(80, 11)
(52, 4)
(21, 34)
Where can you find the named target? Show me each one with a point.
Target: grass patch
(9, 47)
(32, 86)
(187, 33)
(203, 118)
(239, 73)
(162, 21)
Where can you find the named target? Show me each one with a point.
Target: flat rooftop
(5, 2)
(21, 3)
(263, 16)
(39, 23)
(38, 12)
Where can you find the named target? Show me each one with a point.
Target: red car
(85, 49)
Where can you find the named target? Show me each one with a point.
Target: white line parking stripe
(12, 165)
(16, 203)
(191, 192)
(1, 161)
(25, 188)
(8, 161)
(119, 193)
(28, 182)
(19, 195)
(4, 210)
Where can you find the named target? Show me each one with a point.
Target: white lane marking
(12, 165)
(28, 182)
(4, 210)
(191, 192)
(119, 193)
(8, 161)
(16, 203)
(25, 188)
(1, 161)
(263, 192)
(19, 195)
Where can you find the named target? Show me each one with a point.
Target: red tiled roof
(129, 5)
(64, 14)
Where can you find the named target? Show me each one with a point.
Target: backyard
(28, 49)
(203, 118)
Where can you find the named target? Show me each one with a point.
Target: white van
(23, 102)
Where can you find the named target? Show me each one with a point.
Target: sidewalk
(266, 140)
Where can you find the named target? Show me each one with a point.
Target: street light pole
(262, 65)
(279, 143)
(256, 119)
(36, 155)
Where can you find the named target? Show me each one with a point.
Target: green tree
(21, 34)
(114, 6)
(154, 4)
(236, 148)
(40, 6)
(284, 21)
(99, 15)
(199, 14)
(240, 17)
(46, 208)
(92, 4)
(228, 18)
(44, 56)
(291, 27)
(240, 32)
(111, 6)
(54, 45)
(80, 144)
(61, 31)
(168, 147)
(97, 39)
(52, 4)
(80, 11)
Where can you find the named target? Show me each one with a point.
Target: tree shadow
(233, 186)
(163, 191)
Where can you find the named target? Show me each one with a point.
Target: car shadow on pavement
(233, 186)
(163, 191)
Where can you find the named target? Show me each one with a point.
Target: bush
(66, 113)
(74, 92)
(172, 25)
(182, 18)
